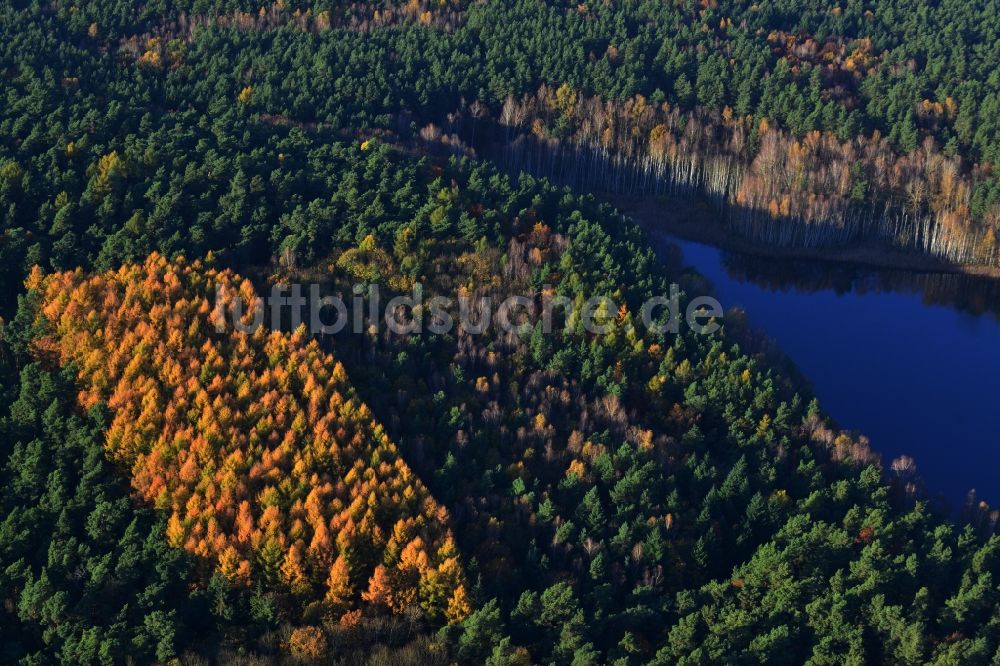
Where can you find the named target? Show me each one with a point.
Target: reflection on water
(966, 293)
(910, 359)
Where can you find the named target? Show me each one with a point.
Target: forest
(177, 493)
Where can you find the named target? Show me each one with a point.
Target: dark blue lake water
(912, 360)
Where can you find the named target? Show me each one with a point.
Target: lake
(909, 359)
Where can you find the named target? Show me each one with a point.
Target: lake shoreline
(881, 360)
(694, 219)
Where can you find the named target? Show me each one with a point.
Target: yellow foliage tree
(254, 442)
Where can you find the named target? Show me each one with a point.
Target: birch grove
(773, 187)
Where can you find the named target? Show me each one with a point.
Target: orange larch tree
(255, 443)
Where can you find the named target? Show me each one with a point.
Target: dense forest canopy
(255, 443)
(170, 491)
(104, 98)
(613, 499)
